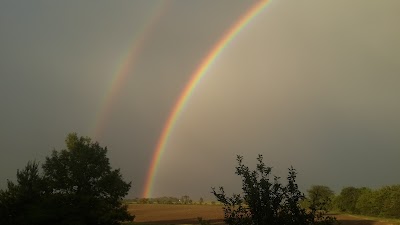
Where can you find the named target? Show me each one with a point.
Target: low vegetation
(269, 202)
(382, 202)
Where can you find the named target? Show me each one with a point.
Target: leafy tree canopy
(347, 199)
(384, 201)
(320, 197)
(78, 186)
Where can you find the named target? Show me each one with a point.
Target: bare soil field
(176, 214)
(188, 214)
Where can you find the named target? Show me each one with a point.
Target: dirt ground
(176, 214)
(188, 214)
(353, 220)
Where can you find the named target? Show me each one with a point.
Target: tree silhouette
(78, 186)
(264, 201)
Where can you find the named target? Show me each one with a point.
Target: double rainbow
(194, 81)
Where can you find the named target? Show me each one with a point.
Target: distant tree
(173, 200)
(201, 201)
(186, 200)
(320, 197)
(387, 200)
(347, 199)
(165, 200)
(384, 201)
(78, 186)
(144, 201)
(265, 202)
(367, 203)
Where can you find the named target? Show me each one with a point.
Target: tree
(264, 201)
(144, 201)
(81, 176)
(186, 200)
(384, 201)
(201, 201)
(391, 205)
(320, 197)
(22, 203)
(78, 186)
(347, 199)
(367, 203)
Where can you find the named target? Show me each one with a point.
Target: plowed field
(187, 214)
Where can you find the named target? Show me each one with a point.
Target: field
(176, 214)
(188, 214)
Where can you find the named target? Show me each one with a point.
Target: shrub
(267, 202)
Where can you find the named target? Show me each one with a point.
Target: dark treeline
(184, 200)
(159, 200)
(382, 202)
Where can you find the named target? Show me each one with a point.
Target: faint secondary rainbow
(191, 85)
(126, 66)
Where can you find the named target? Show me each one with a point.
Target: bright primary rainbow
(195, 79)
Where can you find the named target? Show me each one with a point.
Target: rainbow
(126, 66)
(191, 85)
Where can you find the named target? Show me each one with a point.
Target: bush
(267, 202)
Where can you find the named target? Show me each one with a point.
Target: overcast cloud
(313, 84)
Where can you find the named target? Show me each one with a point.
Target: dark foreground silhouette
(344, 220)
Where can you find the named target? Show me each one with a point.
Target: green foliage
(320, 198)
(144, 201)
(366, 203)
(347, 199)
(78, 186)
(159, 200)
(391, 204)
(165, 200)
(384, 202)
(265, 201)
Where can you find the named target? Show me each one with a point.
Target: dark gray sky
(313, 84)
